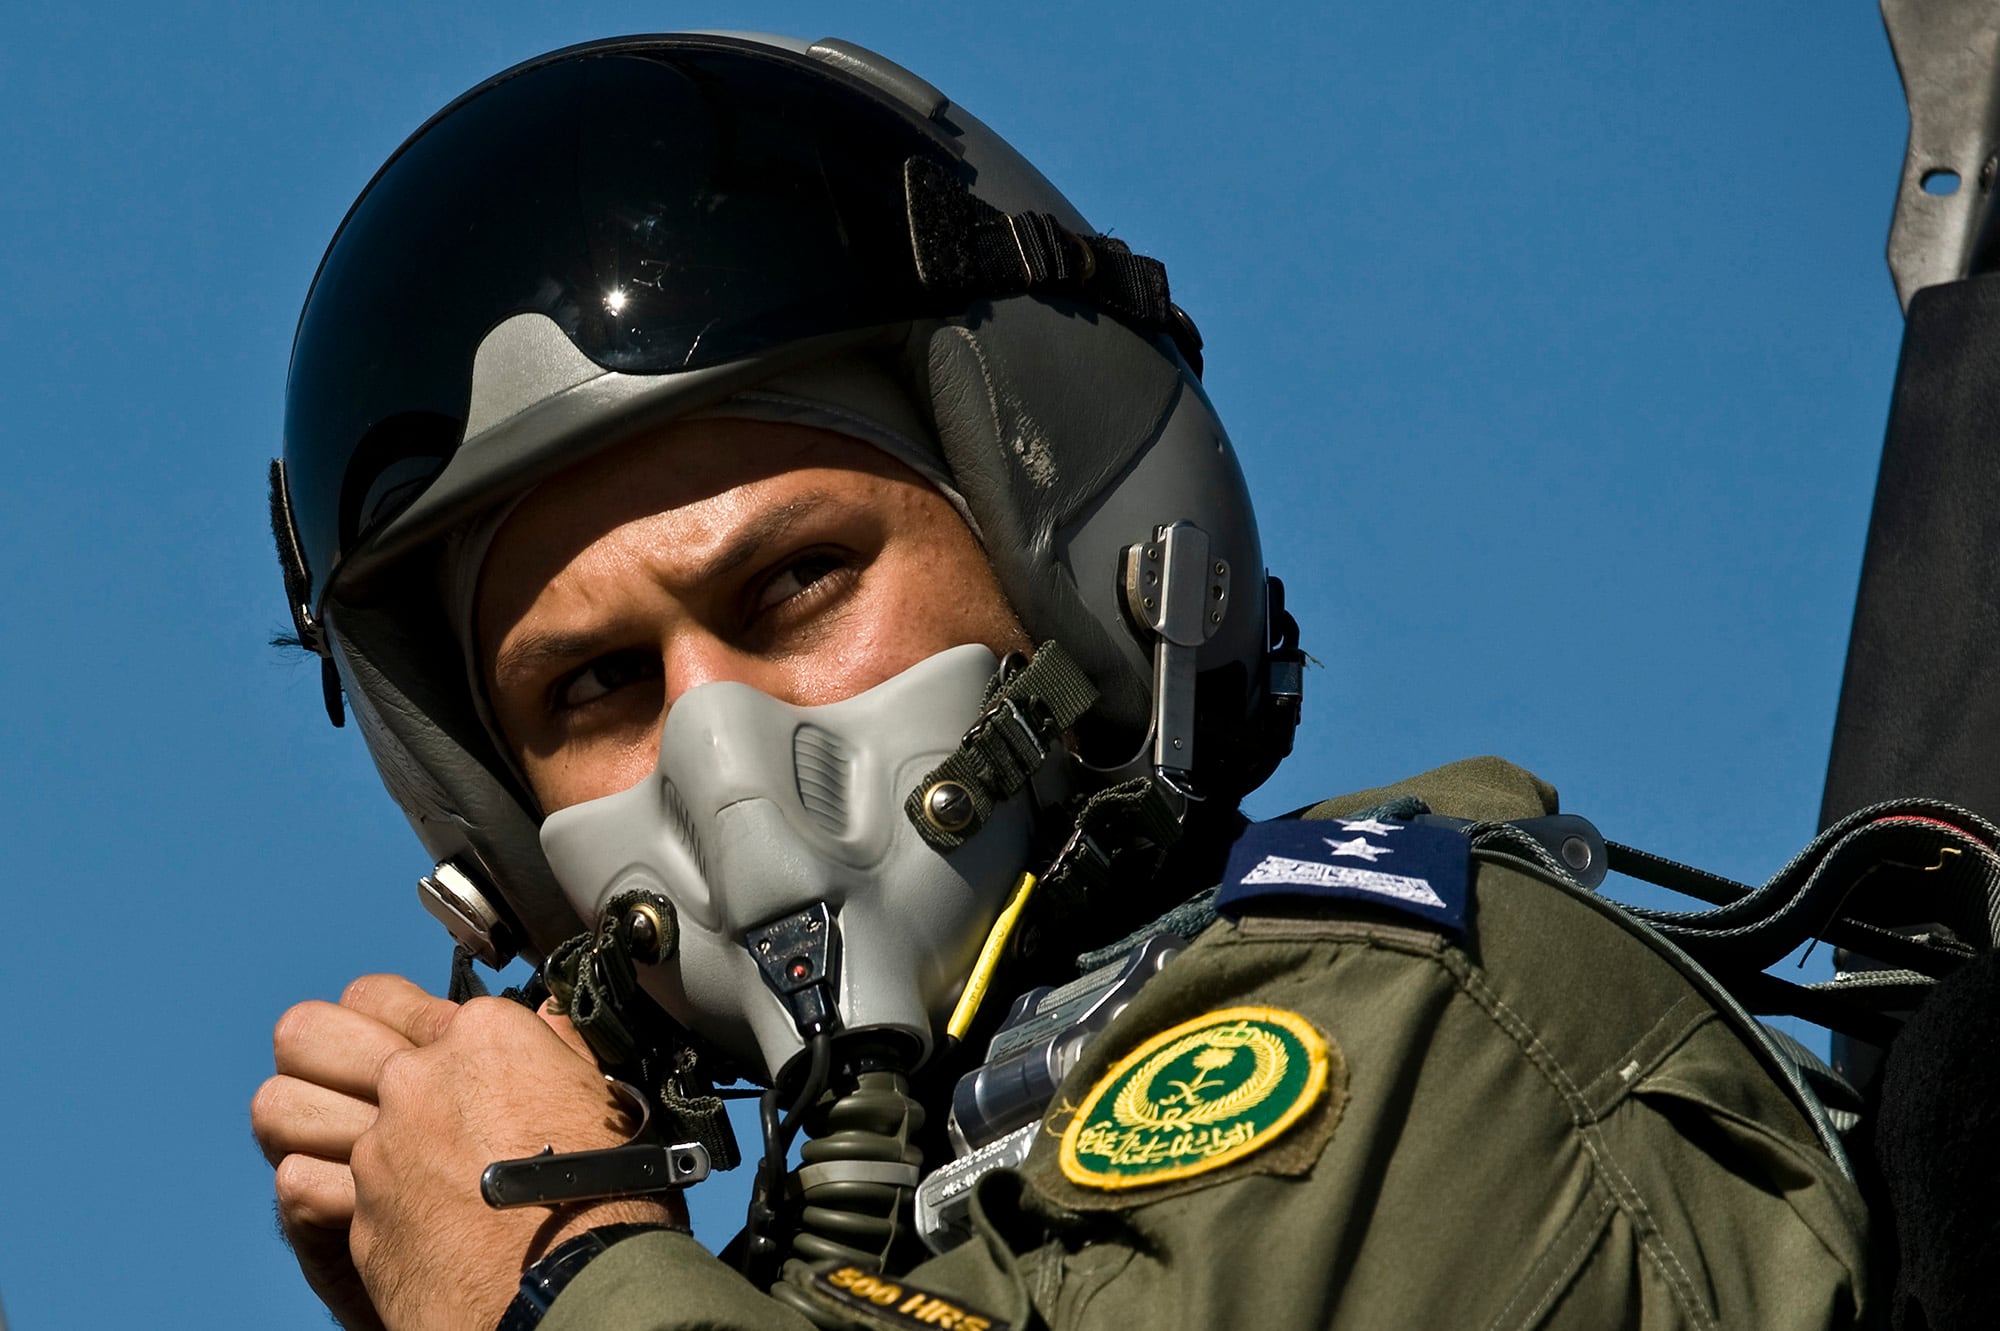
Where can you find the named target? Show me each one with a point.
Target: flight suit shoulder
(1489, 1101)
(1484, 788)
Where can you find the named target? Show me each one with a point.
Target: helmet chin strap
(1176, 593)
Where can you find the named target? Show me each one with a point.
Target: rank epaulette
(1408, 868)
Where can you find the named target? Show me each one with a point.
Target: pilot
(784, 564)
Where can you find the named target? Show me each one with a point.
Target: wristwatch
(548, 1277)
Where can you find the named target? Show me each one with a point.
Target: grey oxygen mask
(804, 898)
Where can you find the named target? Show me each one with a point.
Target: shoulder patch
(1196, 1097)
(1405, 867)
(879, 1300)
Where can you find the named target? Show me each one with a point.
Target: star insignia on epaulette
(1358, 848)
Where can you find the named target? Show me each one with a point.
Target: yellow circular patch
(1195, 1098)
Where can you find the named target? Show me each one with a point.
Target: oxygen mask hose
(859, 1171)
(862, 1160)
(858, 1177)
(852, 1199)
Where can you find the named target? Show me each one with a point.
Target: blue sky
(1556, 341)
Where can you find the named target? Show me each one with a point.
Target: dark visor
(671, 205)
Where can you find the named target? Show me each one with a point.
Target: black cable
(762, 1249)
(850, 1211)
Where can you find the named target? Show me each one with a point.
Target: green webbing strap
(695, 1116)
(1025, 717)
(465, 982)
(590, 982)
(593, 982)
(1110, 820)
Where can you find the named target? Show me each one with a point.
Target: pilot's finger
(336, 1047)
(571, 1036)
(314, 1192)
(400, 1005)
(290, 1115)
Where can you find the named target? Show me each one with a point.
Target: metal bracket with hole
(1571, 841)
(1948, 53)
(634, 1169)
(1177, 593)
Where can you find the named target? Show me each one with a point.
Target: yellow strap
(989, 960)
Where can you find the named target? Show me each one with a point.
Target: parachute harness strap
(1027, 710)
(1903, 865)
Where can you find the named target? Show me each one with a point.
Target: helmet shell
(1066, 433)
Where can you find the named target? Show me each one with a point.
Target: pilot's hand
(307, 1119)
(386, 1110)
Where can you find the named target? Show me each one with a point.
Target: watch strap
(548, 1277)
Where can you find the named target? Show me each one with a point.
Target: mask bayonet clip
(798, 955)
(1177, 593)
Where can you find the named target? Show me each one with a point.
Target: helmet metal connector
(459, 904)
(1177, 595)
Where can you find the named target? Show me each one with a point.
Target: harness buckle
(1005, 719)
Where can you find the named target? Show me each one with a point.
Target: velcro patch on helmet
(1408, 868)
(878, 1300)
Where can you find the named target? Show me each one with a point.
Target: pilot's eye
(798, 576)
(605, 676)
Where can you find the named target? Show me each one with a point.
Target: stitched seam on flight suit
(1683, 1017)
(1613, 1180)
(1651, 1240)
(1048, 1279)
(1322, 929)
(1591, 1221)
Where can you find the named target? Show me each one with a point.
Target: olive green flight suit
(1541, 1125)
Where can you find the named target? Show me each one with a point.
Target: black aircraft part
(1939, 1153)
(1920, 703)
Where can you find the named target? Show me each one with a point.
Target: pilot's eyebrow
(748, 541)
(526, 656)
(529, 654)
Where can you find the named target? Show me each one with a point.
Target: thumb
(567, 1030)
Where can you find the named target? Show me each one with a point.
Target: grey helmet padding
(1067, 435)
(1071, 437)
(759, 809)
